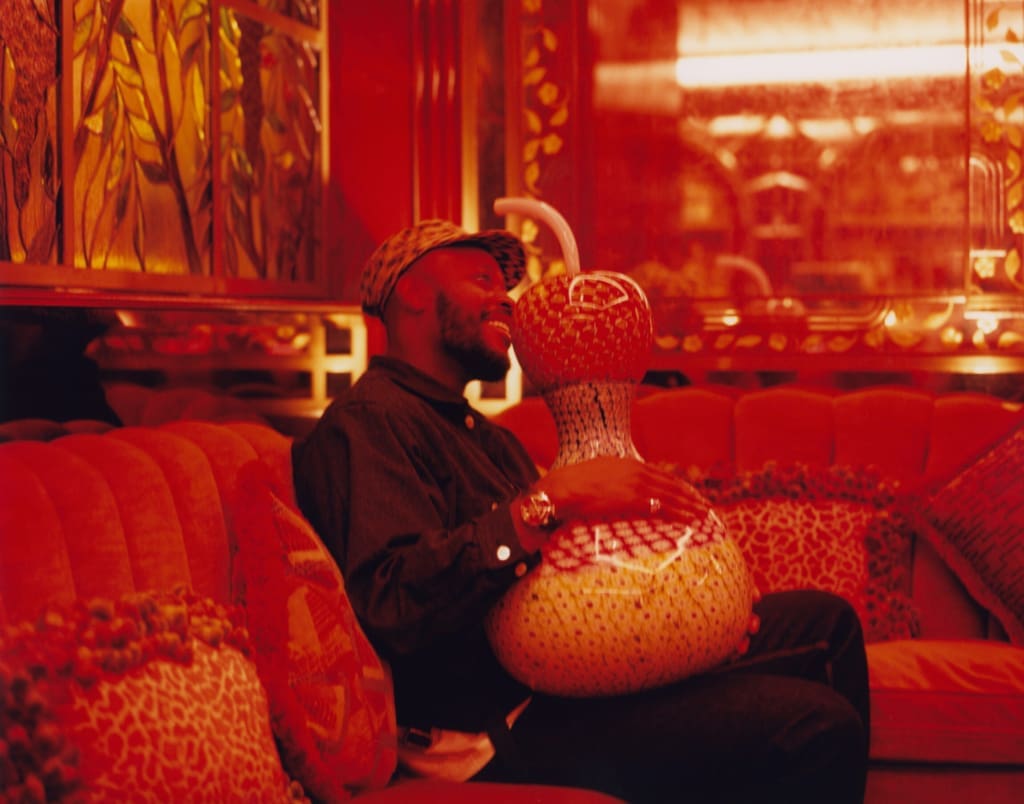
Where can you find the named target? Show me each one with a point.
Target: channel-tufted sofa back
(131, 509)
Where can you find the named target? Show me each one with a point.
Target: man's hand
(619, 488)
(609, 489)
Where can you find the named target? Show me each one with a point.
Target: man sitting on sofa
(432, 512)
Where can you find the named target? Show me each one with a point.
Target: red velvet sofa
(947, 682)
(92, 514)
(145, 569)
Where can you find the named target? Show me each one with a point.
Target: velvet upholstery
(945, 706)
(148, 508)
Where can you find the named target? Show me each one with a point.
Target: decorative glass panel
(30, 180)
(307, 11)
(270, 163)
(115, 160)
(141, 139)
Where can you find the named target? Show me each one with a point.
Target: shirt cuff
(499, 544)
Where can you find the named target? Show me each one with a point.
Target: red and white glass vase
(614, 606)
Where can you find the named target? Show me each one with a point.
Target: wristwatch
(537, 511)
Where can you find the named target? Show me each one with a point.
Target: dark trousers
(789, 722)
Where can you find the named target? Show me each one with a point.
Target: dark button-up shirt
(409, 488)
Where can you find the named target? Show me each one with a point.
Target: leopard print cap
(398, 252)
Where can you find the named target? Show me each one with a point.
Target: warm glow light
(985, 365)
(819, 66)
(988, 324)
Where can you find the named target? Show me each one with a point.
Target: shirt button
(470, 421)
(520, 569)
(504, 552)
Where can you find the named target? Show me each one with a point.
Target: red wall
(370, 183)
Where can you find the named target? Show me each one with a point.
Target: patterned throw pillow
(975, 521)
(149, 697)
(837, 529)
(331, 698)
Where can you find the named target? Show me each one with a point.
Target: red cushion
(884, 427)
(330, 695)
(945, 701)
(786, 425)
(965, 424)
(687, 426)
(975, 521)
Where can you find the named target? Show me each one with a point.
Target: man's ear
(412, 293)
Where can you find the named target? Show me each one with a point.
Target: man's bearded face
(465, 338)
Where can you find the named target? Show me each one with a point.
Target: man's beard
(462, 338)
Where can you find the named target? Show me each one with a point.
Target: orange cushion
(945, 700)
(330, 695)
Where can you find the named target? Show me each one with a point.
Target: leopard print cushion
(150, 697)
(793, 544)
(170, 732)
(839, 529)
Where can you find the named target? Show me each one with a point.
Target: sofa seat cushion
(437, 791)
(947, 701)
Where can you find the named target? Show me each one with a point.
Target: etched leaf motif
(94, 122)
(116, 169)
(534, 76)
(129, 75)
(531, 175)
(156, 172)
(552, 144)
(83, 32)
(198, 101)
(1013, 162)
(1012, 264)
(1013, 195)
(142, 129)
(193, 10)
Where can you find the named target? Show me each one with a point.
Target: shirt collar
(418, 383)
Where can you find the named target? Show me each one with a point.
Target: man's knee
(823, 747)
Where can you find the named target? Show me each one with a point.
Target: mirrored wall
(801, 187)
